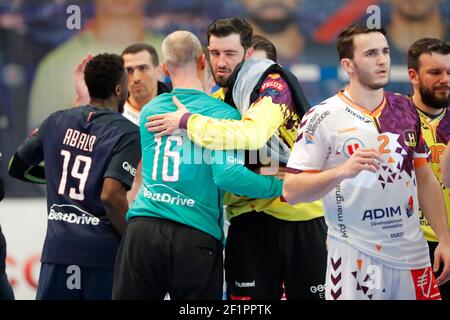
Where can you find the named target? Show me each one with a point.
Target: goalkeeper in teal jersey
(174, 240)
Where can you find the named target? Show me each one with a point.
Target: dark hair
(345, 44)
(425, 45)
(264, 44)
(227, 26)
(102, 74)
(138, 47)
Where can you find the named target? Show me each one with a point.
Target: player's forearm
(229, 134)
(114, 200)
(310, 186)
(30, 173)
(250, 133)
(116, 207)
(445, 167)
(241, 181)
(432, 203)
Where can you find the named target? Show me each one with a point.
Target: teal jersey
(184, 182)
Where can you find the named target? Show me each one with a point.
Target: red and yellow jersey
(436, 133)
(271, 114)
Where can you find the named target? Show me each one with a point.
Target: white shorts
(353, 275)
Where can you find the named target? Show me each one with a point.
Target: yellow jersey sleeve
(257, 126)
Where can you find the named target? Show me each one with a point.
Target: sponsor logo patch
(72, 214)
(350, 146)
(410, 138)
(168, 196)
(272, 84)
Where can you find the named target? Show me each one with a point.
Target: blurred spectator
(116, 24)
(411, 20)
(277, 21)
(19, 54)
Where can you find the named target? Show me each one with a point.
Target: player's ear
(201, 62)
(166, 71)
(347, 65)
(118, 90)
(413, 76)
(249, 53)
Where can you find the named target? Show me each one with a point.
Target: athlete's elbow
(446, 178)
(289, 196)
(293, 194)
(16, 168)
(289, 192)
(294, 197)
(107, 199)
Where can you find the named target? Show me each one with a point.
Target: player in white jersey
(363, 152)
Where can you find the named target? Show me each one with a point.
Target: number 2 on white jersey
(384, 139)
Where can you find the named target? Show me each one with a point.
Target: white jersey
(374, 213)
(130, 113)
(354, 275)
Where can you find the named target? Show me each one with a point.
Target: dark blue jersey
(2, 238)
(80, 147)
(2, 252)
(2, 188)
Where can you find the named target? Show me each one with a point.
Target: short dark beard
(430, 99)
(221, 82)
(364, 79)
(225, 83)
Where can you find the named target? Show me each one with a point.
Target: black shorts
(266, 257)
(73, 282)
(158, 256)
(445, 288)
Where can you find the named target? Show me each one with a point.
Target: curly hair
(102, 74)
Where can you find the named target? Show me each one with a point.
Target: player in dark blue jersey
(90, 154)
(6, 292)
